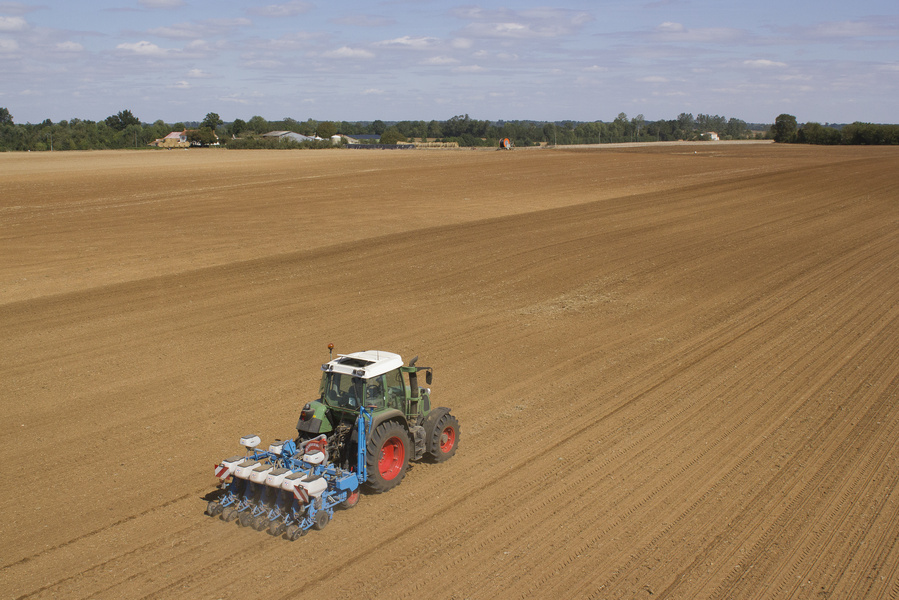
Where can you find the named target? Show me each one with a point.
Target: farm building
(290, 135)
(176, 139)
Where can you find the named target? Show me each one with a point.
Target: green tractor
(373, 395)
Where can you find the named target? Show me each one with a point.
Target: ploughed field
(676, 368)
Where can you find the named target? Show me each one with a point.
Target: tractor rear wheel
(445, 438)
(387, 456)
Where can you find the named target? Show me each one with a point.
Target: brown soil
(675, 368)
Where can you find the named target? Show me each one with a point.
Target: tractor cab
(374, 379)
(375, 417)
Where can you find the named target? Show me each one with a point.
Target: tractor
(402, 426)
(370, 419)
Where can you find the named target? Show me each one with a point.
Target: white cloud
(469, 69)
(440, 61)
(409, 42)
(288, 9)
(846, 29)
(669, 27)
(161, 3)
(364, 21)
(194, 30)
(347, 52)
(374, 92)
(10, 24)
(654, 79)
(764, 64)
(676, 32)
(462, 43)
(69, 47)
(524, 24)
(144, 48)
(198, 74)
(179, 85)
(597, 69)
(242, 98)
(8, 45)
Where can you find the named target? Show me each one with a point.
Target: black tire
(228, 515)
(276, 528)
(261, 522)
(214, 509)
(352, 499)
(321, 519)
(245, 519)
(444, 439)
(387, 456)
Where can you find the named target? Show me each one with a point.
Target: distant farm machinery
(370, 419)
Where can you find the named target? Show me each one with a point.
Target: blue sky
(176, 60)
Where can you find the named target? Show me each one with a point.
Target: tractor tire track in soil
(675, 372)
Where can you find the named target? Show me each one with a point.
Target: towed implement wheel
(352, 500)
(229, 514)
(387, 456)
(214, 509)
(276, 528)
(445, 438)
(295, 532)
(245, 519)
(321, 519)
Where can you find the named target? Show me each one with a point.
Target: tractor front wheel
(445, 438)
(387, 456)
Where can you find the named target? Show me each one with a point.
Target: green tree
(212, 121)
(203, 136)
(5, 117)
(736, 129)
(237, 125)
(784, 129)
(378, 127)
(392, 135)
(257, 124)
(121, 120)
(326, 129)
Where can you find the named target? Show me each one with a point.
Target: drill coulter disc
(245, 519)
(229, 514)
(260, 522)
(214, 509)
(276, 528)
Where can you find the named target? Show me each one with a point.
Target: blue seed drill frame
(288, 490)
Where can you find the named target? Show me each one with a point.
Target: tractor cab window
(374, 392)
(341, 390)
(395, 390)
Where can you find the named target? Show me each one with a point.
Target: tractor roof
(369, 363)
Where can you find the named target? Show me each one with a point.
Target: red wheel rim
(393, 454)
(447, 439)
(353, 498)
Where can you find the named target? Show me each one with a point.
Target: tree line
(786, 130)
(125, 130)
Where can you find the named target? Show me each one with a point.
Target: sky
(825, 61)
